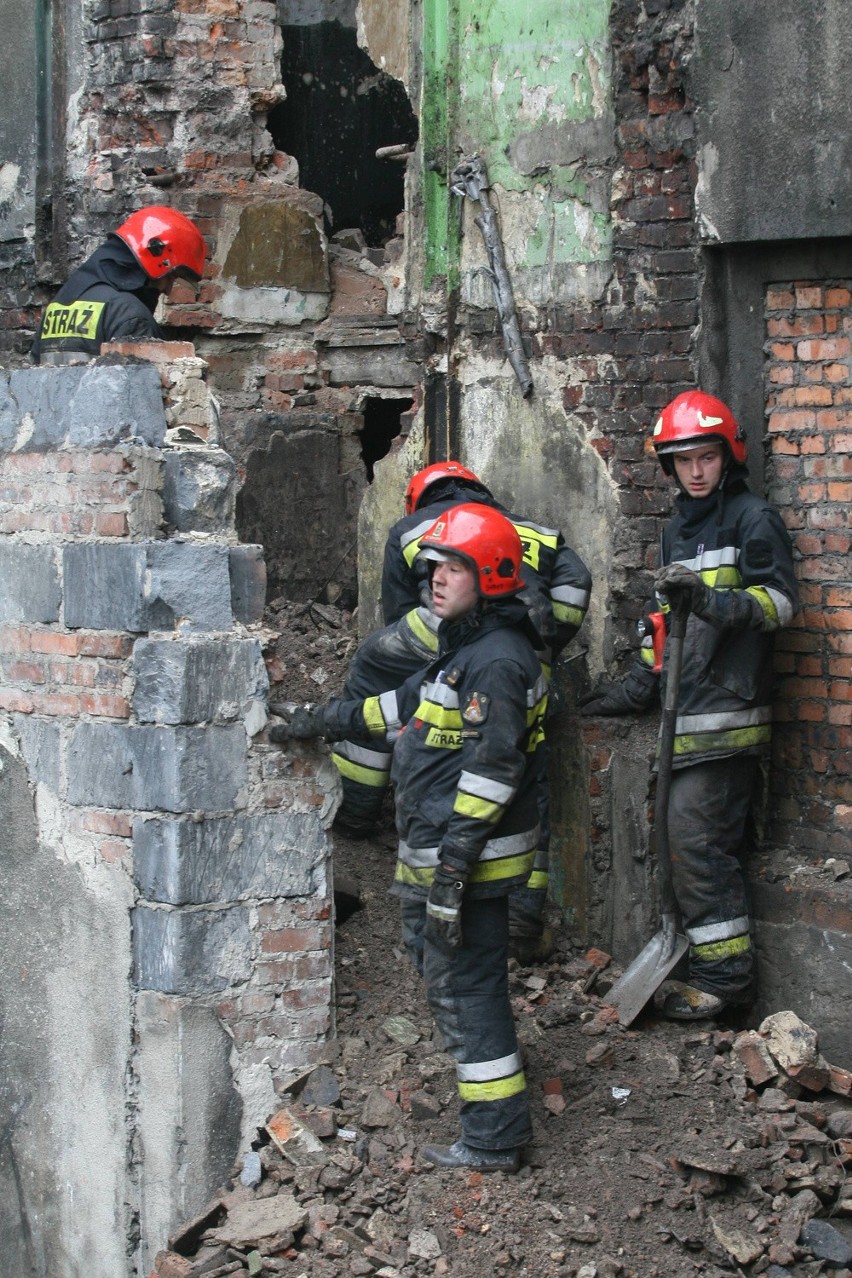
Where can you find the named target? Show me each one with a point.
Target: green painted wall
(528, 88)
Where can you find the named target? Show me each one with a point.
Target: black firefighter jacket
(735, 541)
(107, 298)
(557, 583)
(467, 756)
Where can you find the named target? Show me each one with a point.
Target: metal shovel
(652, 965)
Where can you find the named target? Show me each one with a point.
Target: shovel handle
(677, 629)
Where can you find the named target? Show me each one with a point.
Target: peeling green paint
(528, 88)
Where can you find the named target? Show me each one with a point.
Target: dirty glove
(677, 579)
(443, 908)
(735, 609)
(633, 695)
(302, 724)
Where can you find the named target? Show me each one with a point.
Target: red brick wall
(809, 415)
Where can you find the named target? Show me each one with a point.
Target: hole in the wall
(339, 109)
(381, 427)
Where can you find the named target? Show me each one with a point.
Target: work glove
(678, 580)
(301, 723)
(443, 908)
(734, 609)
(633, 695)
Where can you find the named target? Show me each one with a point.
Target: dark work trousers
(468, 993)
(708, 819)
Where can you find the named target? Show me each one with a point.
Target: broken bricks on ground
(327, 1188)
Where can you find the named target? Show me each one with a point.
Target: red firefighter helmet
(692, 419)
(485, 540)
(418, 484)
(163, 240)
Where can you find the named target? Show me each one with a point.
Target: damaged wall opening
(339, 109)
(382, 425)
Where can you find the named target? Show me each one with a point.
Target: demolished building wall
(166, 928)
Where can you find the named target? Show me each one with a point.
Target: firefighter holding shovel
(726, 558)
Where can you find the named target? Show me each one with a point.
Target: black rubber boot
(484, 1160)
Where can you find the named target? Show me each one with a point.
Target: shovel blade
(645, 974)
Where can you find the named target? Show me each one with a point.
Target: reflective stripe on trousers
(468, 993)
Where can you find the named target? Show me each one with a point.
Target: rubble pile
(660, 1150)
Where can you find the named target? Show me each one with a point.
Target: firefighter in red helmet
(466, 770)
(556, 590)
(726, 552)
(115, 292)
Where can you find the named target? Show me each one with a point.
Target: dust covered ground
(661, 1149)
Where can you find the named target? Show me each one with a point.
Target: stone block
(10, 418)
(150, 586)
(149, 768)
(197, 681)
(30, 590)
(268, 854)
(248, 583)
(197, 952)
(188, 1112)
(39, 740)
(278, 245)
(200, 490)
(88, 406)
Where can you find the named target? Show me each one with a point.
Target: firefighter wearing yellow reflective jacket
(115, 292)
(466, 769)
(729, 553)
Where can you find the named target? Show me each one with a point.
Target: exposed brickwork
(59, 505)
(809, 416)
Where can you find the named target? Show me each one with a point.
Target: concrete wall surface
(164, 871)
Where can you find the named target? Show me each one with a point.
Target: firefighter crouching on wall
(729, 553)
(466, 769)
(115, 292)
(557, 586)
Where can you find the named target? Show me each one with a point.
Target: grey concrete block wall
(200, 489)
(148, 586)
(191, 952)
(83, 406)
(30, 589)
(149, 768)
(148, 950)
(197, 681)
(187, 862)
(188, 1116)
(248, 583)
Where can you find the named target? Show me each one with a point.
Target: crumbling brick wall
(809, 411)
(183, 869)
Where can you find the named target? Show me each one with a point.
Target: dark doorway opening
(381, 427)
(339, 109)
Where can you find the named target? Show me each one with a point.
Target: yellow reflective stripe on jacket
(410, 543)
(420, 630)
(722, 949)
(493, 1089)
(374, 718)
(729, 739)
(565, 613)
(538, 881)
(767, 605)
(506, 867)
(360, 764)
(472, 805)
(722, 578)
(447, 718)
(75, 319)
(533, 538)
